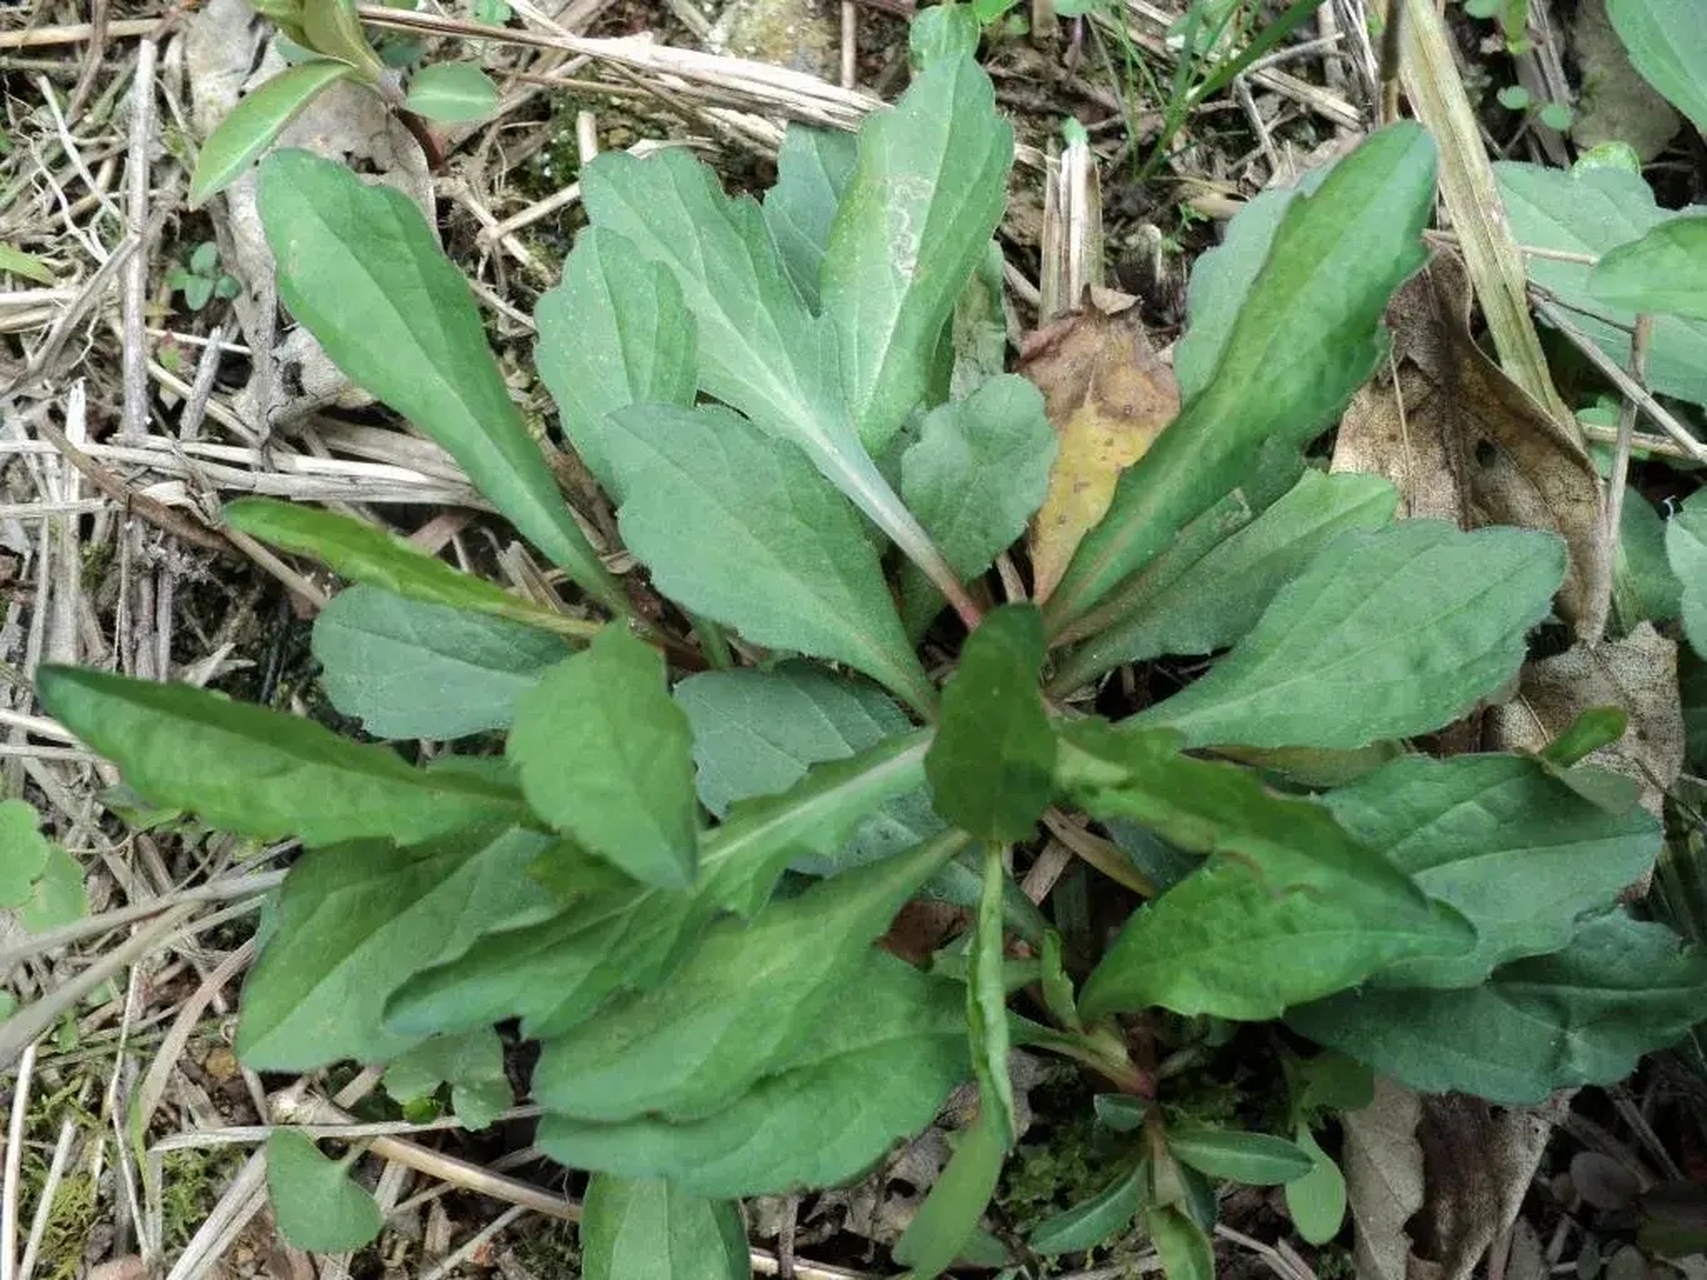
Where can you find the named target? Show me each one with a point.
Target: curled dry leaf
(1383, 1178)
(1108, 396)
(1463, 442)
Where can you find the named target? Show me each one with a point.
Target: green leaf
(649, 1229)
(1580, 1016)
(1386, 634)
(947, 1222)
(1089, 1224)
(1667, 43)
(361, 270)
(23, 852)
(616, 332)
(1317, 1201)
(411, 670)
(875, 1072)
(979, 470)
(1182, 1245)
(991, 765)
(1593, 211)
(987, 996)
(257, 772)
(1200, 607)
(315, 1204)
(1686, 549)
(1257, 1159)
(471, 1062)
(255, 121)
(452, 92)
(553, 974)
(737, 1010)
(1644, 587)
(14, 261)
(58, 896)
(1287, 907)
(1335, 260)
(812, 170)
(1664, 272)
(1517, 852)
(332, 28)
(925, 198)
(736, 526)
(945, 32)
(606, 757)
(356, 920)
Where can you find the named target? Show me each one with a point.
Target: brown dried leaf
(1108, 397)
(1463, 442)
(1383, 1178)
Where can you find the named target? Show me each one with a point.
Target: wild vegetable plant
(707, 808)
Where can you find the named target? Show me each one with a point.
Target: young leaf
(452, 92)
(1257, 1159)
(412, 670)
(14, 261)
(332, 28)
(315, 1204)
(1520, 854)
(739, 1007)
(1667, 43)
(355, 920)
(1583, 1015)
(947, 1222)
(1334, 262)
(991, 765)
(1087, 1225)
(606, 757)
(812, 170)
(924, 200)
(875, 1072)
(1288, 906)
(23, 852)
(649, 1229)
(471, 1062)
(1664, 272)
(616, 332)
(1686, 548)
(1184, 1248)
(360, 269)
(736, 526)
(1386, 634)
(1317, 1201)
(258, 772)
(255, 121)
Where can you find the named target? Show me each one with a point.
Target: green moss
(550, 1248)
(76, 1205)
(192, 1180)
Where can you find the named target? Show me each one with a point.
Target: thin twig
(135, 288)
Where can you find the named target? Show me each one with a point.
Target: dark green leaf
(1580, 1016)
(452, 93)
(1593, 729)
(1181, 1243)
(1386, 634)
(736, 525)
(649, 1229)
(812, 171)
(1258, 1159)
(1087, 1225)
(991, 765)
(259, 772)
(606, 756)
(947, 1222)
(315, 1204)
(471, 1062)
(250, 127)
(361, 270)
(615, 333)
(1665, 272)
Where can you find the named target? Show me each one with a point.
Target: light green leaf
(1257, 1159)
(58, 896)
(944, 32)
(332, 28)
(250, 127)
(606, 757)
(1386, 634)
(356, 920)
(979, 470)
(875, 1072)
(1664, 272)
(1333, 264)
(360, 269)
(925, 197)
(737, 1010)
(987, 996)
(812, 170)
(736, 525)
(411, 670)
(1622, 988)
(1180, 1242)
(1592, 211)
(1667, 43)
(1644, 586)
(1287, 907)
(947, 1221)
(23, 852)
(471, 1062)
(1317, 1201)
(1686, 549)
(15, 261)
(315, 1204)
(258, 772)
(452, 93)
(649, 1229)
(1089, 1224)
(616, 332)
(1190, 608)
(991, 764)
(1521, 855)
(978, 331)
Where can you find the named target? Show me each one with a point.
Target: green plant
(199, 278)
(674, 873)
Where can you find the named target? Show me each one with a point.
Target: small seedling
(200, 279)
